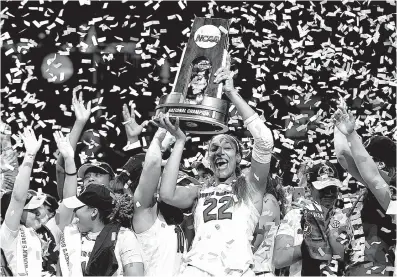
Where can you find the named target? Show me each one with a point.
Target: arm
(82, 115)
(344, 155)
(369, 170)
(263, 139)
(64, 215)
(19, 194)
(285, 254)
(148, 182)
(180, 197)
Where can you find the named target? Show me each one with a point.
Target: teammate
(157, 230)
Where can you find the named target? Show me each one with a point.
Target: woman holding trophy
(226, 211)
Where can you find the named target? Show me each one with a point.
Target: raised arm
(21, 187)
(132, 128)
(344, 155)
(263, 138)
(82, 114)
(144, 216)
(180, 197)
(368, 169)
(70, 188)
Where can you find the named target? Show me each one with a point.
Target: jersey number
(227, 200)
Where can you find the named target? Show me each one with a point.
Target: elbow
(166, 197)
(19, 198)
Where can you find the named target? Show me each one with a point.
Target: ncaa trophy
(195, 99)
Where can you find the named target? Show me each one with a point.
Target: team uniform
(162, 246)
(224, 231)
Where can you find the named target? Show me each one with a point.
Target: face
(223, 156)
(84, 215)
(34, 218)
(96, 177)
(327, 196)
(48, 211)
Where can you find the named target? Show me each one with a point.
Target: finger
(74, 99)
(40, 141)
(162, 122)
(168, 122)
(228, 61)
(81, 97)
(126, 115)
(145, 123)
(89, 106)
(154, 123)
(132, 112)
(221, 69)
(177, 123)
(55, 135)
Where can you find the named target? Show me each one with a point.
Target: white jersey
(162, 248)
(224, 231)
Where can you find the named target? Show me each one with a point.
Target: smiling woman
(228, 209)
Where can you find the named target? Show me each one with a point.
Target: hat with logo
(322, 175)
(95, 196)
(33, 201)
(104, 167)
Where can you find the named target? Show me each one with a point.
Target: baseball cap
(33, 201)
(106, 168)
(96, 196)
(323, 174)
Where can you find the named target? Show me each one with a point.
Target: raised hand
(163, 121)
(132, 128)
(160, 134)
(32, 144)
(343, 120)
(81, 112)
(224, 75)
(64, 146)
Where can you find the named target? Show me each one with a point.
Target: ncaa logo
(207, 36)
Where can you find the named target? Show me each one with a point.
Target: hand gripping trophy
(195, 99)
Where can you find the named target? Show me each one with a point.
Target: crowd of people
(226, 219)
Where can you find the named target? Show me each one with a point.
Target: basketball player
(227, 211)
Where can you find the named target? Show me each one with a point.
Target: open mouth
(221, 163)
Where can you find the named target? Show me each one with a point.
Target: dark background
(351, 27)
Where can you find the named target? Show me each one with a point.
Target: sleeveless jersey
(162, 247)
(224, 230)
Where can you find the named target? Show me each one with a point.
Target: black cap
(96, 196)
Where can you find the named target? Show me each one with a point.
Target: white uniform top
(160, 249)
(224, 231)
(291, 226)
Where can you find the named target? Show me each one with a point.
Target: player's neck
(229, 180)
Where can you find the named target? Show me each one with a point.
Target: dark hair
(51, 202)
(382, 149)
(122, 212)
(275, 188)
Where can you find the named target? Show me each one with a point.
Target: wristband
(71, 174)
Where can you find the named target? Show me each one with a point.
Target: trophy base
(210, 117)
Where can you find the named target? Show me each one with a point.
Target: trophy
(195, 99)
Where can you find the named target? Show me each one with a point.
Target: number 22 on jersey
(225, 202)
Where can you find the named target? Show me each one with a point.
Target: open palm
(132, 128)
(64, 145)
(32, 144)
(344, 121)
(81, 112)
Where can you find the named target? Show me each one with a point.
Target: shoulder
(126, 234)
